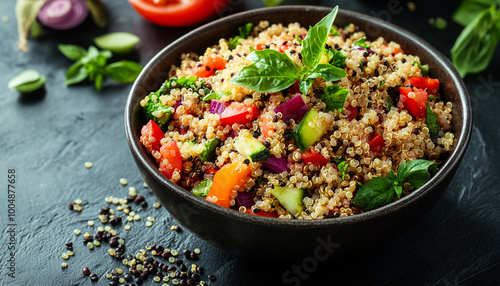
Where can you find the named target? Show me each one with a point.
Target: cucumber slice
(290, 199)
(250, 147)
(305, 135)
(209, 153)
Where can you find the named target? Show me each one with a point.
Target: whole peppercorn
(86, 271)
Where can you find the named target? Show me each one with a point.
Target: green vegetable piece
(376, 193)
(475, 46)
(334, 32)
(438, 23)
(334, 96)
(158, 112)
(27, 81)
(72, 52)
(470, 9)
(309, 130)
(244, 32)
(416, 172)
(314, 43)
(202, 188)
(290, 198)
(423, 68)
(271, 71)
(209, 153)
(336, 58)
(123, 71)
(361, 43)
(271, 3)
(118, 42)
(431, 122)
(342, 166)
(98, 12)
(251, 148)
(215, 95)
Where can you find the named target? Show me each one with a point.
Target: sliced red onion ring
(63, 14)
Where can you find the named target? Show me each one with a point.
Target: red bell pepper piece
(353, 113)
(224, 182)
(429, 84)
(209, 65)
(376, 143)
(151, 135)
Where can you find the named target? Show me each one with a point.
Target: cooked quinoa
(373, 79)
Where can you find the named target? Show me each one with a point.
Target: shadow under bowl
(284, 240)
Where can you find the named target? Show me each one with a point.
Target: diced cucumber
(305, 135)
(202, 188)
(250, 147)
(290, 199)
(209, 153)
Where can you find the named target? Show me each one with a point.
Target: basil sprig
(272, 71)
(476, 45)
(244, 32)
(361, 43)
(381, 191)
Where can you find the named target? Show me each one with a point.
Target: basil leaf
(271, 71)
(431, 122)
(415, 172)
(342, 166)
(470, 9)
(376, 193)
(26, 13)
(244, 32)
(215, 95)
(98, 81)
(123, 71)
(398, 190)
(98, 12)
(334, 96)
(314, 43)
(76, 73)
(72, 52)
(202, 188)
(476, 44)
(328, 72)
(305, 85)
(336, 58)
(361, 43)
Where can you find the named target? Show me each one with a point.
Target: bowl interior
(155, 73)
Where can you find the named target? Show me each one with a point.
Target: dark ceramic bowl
(277, 239)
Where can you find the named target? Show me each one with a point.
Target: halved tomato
(178, 13)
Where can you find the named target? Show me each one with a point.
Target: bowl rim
(445, 170)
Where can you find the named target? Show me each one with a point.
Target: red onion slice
(63, 14)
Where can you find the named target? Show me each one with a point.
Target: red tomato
(376, 143)
(414, 104)
(262, 213)
(266, 126)
(177, 13)
(353, 113)
(239, 113)
(170, 161)
(151, 135)
(430, 84)
(260, 47)
(285, 47)
(209, 65)
(314, 157)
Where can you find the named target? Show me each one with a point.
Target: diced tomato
(266, 126)
(283, 48)
(429, 84)
(353, 113)
(209, 65)
(398, 51)
(170, 161)
(376, 143)
(314, 157)
(239, 113)
(151, 135)
(262, 213)
(228, 177)
(414, 100)
(260, 47)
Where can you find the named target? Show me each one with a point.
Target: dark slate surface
(48, 136)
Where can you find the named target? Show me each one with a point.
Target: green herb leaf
(202, 188)
(76, 73)
(244, 32)
(398, 190)
(123, 71)
(423, 68)
(431, 122)
(342, 166)
(27, 81)
(336, 58)
(98, 12)
(271, 3)
(314, 43)
(118, 42)
(470, 9)
(216, 95)
(361, 43)
(334, 32)
(72, 52)
(438, 23)
(415, 172)
(334, 97)
(476, 44)
(376, 193)
(326, 71)
(98, 81)
(271, 71)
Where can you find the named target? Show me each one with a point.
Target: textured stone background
(47, 138)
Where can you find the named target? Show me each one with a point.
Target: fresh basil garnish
(215, 95)
(470, 9)
(334, 32)
(336, 58)
(431, 122)
(334, 97)
(381, 191)
(244, 32)
(342, 166)
(361, 43)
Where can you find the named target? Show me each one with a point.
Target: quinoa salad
(271, 123)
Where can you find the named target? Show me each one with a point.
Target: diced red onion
(292, 109)
(277, 165)
(178, 102)
(217, 106)
(363, 49)
(233, 134)
(63, 14)
(244, 200)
